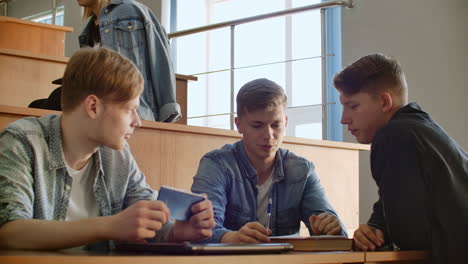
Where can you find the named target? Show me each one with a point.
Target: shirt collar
(116, 2)
(408, 109)
(98, 161)
(278, 172)
(55, 143)
(56, 147)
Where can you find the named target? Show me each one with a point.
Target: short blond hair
(102, 72)
(88, 12)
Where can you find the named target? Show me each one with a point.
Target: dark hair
(372, 73)
(101, 72)
(260, 94)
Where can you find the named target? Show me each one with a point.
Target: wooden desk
(61, 257)
(398, 257)
(25, 257)
(34, 37)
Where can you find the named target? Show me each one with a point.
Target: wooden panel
(38, 38)
(24, 79)
(182, 93)
(338, 170)
(170, 153)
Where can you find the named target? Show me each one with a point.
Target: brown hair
(372, 74)
(101, 72)
(260, 94)
(88, 11)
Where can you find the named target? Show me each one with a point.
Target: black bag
(52, 102)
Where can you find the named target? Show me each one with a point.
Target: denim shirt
(34, 182)
(230, 181)
(131, 29)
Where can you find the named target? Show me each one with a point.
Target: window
(46, 17)
(284, 49)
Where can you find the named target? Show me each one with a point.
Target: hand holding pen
(250, 233)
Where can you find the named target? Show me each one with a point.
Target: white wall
(430, 39)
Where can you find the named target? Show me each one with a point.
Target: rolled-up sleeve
(16, 179)
(138, 189)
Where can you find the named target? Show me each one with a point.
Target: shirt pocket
(236, 217)
(130, 33)
(288, 221)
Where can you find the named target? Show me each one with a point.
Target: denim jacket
(230, 181)
(131, 29)
(35, 184)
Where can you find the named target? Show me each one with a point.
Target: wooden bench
(32, 56)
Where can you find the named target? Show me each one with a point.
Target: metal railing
(328, 4)
(233, 23)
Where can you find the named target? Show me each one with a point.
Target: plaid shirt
(34, 183)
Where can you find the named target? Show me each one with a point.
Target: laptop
(188, 248)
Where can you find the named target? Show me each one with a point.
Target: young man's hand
(368, 238)
(325, 224)
(139, 221)
(250, 233)
(198, 227)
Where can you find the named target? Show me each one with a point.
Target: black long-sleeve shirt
(422, 175)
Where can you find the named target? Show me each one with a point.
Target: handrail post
(324, 73)
(231, 119)
(54, 11)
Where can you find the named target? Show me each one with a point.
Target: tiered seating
(32, 56)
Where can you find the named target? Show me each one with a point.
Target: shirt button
(106, 31)
(106, 11)
(67, 187)
(130, 27)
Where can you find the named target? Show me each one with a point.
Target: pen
(270, 204)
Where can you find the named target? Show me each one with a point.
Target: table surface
(52, 257)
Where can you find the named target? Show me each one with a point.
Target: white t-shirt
(82, 201)
(262, 200)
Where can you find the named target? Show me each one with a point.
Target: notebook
(179, 201)
(188, 248)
